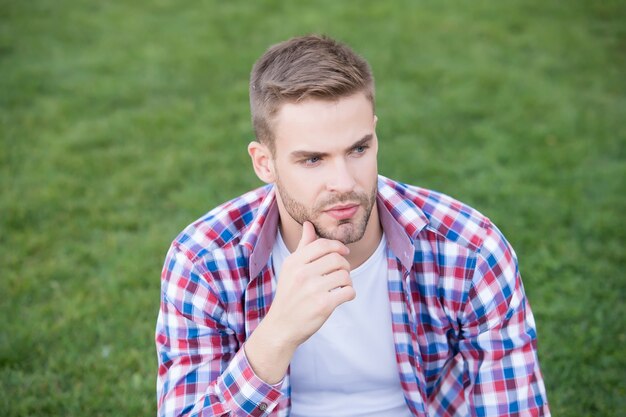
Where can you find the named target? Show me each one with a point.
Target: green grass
(121, 122)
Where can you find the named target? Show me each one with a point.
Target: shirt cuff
(246, 393)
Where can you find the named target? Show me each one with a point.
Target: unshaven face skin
(325, 168)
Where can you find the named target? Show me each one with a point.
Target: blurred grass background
(122, 122)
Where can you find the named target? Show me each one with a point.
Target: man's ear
(262, 161)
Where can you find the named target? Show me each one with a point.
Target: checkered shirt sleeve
(203, 371)
(497, 372)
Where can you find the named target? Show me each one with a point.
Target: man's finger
(336, 280)
(319, 248)
(328, 263)
(341, 295)
(308, 234)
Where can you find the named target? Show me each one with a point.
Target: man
(333, 291)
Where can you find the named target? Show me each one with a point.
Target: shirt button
(263, 406)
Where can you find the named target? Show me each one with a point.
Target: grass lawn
(122, 122)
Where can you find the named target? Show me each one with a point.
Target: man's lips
(342, 212)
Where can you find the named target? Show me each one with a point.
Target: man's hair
(305, 67)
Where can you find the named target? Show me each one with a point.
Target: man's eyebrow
(307, 154)
(313, 154)
(363, 141)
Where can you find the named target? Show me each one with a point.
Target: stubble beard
(347, 231)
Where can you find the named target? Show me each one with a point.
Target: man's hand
(314, 280)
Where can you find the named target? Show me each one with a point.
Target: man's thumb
(308, 234)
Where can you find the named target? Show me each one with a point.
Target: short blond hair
(312, 66)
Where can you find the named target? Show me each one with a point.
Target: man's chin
(344, 232)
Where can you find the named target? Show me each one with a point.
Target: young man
(333, 291)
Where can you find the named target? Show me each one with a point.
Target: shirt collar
(260, 236)
(400, 218)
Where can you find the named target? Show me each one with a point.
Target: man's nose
(341, 179)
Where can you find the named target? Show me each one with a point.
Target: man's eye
(360, 149)
(311, 161)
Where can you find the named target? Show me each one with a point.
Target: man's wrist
(269, 352)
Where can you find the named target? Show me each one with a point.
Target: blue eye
(360, 149)
(311, 161)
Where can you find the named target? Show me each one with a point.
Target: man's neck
(361, 251)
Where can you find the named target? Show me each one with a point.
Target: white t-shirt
(348, 367)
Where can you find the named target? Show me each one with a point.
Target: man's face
(325, 165)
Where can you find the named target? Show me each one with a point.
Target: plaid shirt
(464, 334)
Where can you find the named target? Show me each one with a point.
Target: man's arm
(315, 279)
(499, 373)
(203, 370)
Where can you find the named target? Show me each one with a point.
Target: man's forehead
(318, 124)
